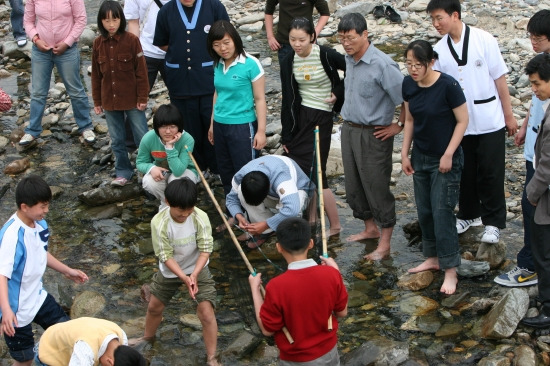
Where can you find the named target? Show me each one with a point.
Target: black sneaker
(392, 15)
(378, 12)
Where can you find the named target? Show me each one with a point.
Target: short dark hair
(422, 51)
(255, 187)
(305, 25)
(167, 115)
(217, 31)
(127, 356)
(539, 64)
(113, 7)
(448, 6)
(352, 21)
(31, 190)
(539, 24)
(181, 193)
(294, 234)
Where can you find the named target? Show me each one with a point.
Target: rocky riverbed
(394, 319)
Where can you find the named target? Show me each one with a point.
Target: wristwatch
(400, 124)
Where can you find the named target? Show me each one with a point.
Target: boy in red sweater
(302, 299)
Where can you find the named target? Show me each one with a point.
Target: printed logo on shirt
(159, 154)
(207, 28)
(478, 63)
(44, 235)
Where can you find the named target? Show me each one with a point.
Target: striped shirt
(373, 88)
(313, 82)
(23, 259)
(285, 179)
(181, 241)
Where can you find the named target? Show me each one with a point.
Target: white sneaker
(21, 42)
(89, 136)
(490, 235)
(463, 225)
(26, 139)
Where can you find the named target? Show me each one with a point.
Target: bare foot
(370, 234)
(450, 282)
(377, 255)
(134, 342)
(243, 237)
(333, 231)
(223, 227)
(428, 265)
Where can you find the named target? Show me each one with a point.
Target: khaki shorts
(165, 288)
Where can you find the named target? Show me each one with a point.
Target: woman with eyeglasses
(436, 118)
(312, 90)
(162, 155)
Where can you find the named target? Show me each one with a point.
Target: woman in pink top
(54, 27)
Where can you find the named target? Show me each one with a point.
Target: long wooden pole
(321, 203)
(231, 233)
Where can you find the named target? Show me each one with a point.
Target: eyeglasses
(168, 127)
(535, 39)
(439, 19)
(347, 39)
(414, 66)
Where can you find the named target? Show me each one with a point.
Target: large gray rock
(87, 303)
(469, 268)
(87, 37)
(416, 281)
(505, 315)
(379, 352)
(335, 166)
(12, 50)
(363, 8)
(104, 195)
(494, 254)
(244, 344)
(418, 5)
(252, 18)
(525, 356)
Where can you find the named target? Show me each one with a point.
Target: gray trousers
(367, 168)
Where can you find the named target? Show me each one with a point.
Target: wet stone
(418, 305)
(525, 356)
(456, 299)
(494, 361)
(449, 330)
(469, 268)
(191, 320)
(356, 298)
(87, 303)
(505, 315)
(416, 281)
(228, 317)
(245, 343)
(494, 254)
(377, 351)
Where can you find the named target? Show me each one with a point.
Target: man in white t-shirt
(472, 57)
(142, 19)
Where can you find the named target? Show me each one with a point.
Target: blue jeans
(525, 255)
(17, 10)
(68, 67)
(21, 345)
(117, 131)
(436, 196)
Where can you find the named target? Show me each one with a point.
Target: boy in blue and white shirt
(23, 259)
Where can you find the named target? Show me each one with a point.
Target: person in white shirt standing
(472, 57)
(142, 19)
